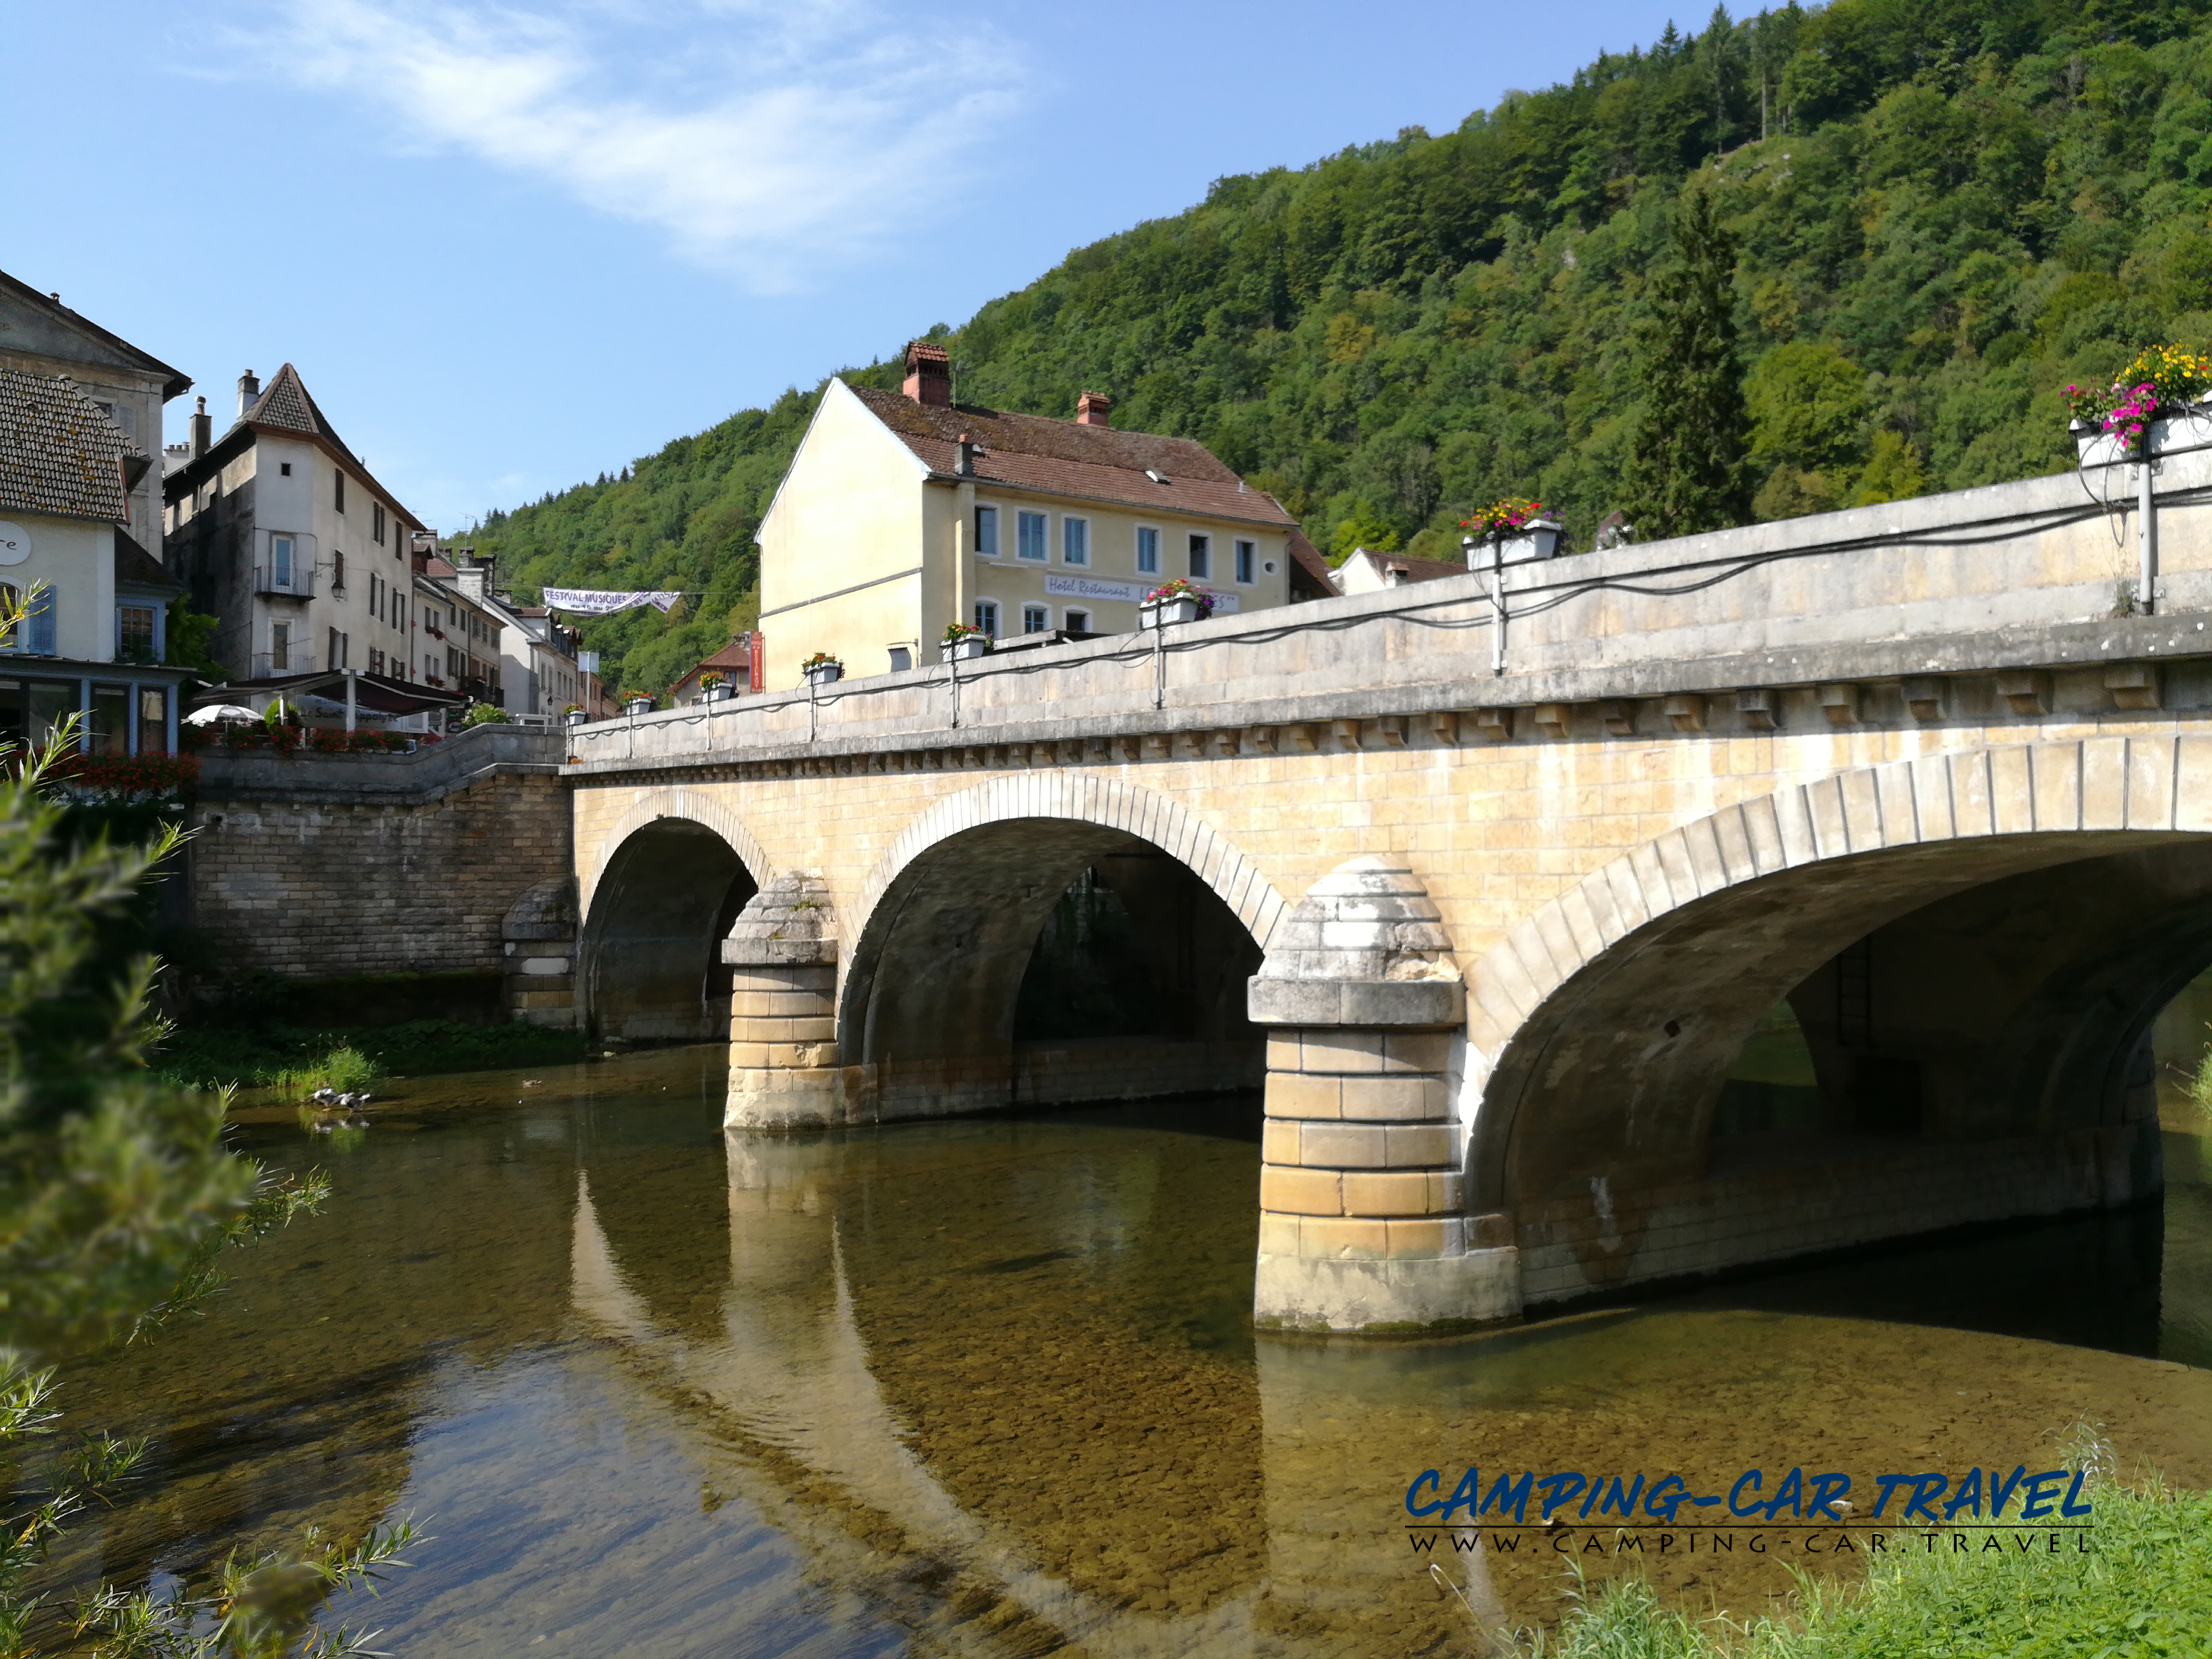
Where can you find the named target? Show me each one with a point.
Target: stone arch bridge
(1491, 879)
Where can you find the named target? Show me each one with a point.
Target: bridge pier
(1362, 1224)
(782, 953)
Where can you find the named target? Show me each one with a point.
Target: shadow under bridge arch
(1971, 989)
(1034, 959)
(652, 944)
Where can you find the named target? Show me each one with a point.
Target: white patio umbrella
(216, 712)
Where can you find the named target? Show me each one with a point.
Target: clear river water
(989, 1386)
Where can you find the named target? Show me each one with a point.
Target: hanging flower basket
(822, 669)
(1178, 601)
(2156, 402)
(1515, 527)
(963, 643)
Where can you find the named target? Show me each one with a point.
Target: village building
(280, 533)
(539, 675)
(41, 336)
(1366, 571)
(903, 512)
(734, 662)
(459, 645)
(95, 632)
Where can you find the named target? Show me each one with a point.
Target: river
(989, 1386)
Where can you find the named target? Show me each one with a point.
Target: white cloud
(770, 139)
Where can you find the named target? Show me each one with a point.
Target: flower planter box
(828, 674)
(720, 692)
(578, 718)
(1161, 612)
(968, 650)
(1537, 539)
(638, 706)
(2191, 429)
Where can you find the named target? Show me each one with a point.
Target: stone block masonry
(321, 866)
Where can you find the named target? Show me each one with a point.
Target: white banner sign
(600, 602)
(1089, 587)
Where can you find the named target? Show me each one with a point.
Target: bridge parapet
(1873, 613)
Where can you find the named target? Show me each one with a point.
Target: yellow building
(903, 512)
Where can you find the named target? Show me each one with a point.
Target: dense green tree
(116, 1198)
(1689, 463)
(1974, 202)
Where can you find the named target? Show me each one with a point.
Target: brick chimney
(249, 388)
(928, 375)
(1090, 409)
(203, 430)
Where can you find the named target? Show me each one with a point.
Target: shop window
(109, 733)
(153, 720)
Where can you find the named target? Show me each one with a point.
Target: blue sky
(511, 246)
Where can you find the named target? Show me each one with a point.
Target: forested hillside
(1947, 210)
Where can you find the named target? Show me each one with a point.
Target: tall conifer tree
(1688, 471)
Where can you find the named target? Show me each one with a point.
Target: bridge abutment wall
(320, 866)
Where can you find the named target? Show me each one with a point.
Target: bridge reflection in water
(1007, 1389)
(990, 1386)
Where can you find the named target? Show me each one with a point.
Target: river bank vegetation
(1945, 211)
(2142, 1589)
(300, 1059)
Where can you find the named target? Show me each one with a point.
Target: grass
(299, 1060)
(2143, 1591)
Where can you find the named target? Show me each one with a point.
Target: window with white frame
(1030, 536)
(280, 561)
(987, 617)
(1076, 622)
(1247, 560)
(1148, 551)
(1075, 541)
(986, 531)
(1036, 619)
(1201, 557)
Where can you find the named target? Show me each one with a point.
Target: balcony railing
(295, 580)
(269, 664)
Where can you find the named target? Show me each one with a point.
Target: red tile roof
(1067, 457)
(734, 660)
(1309, 572)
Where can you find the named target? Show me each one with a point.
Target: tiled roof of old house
(1068, 458)
(1311, 578)
(735, 658)
(284, 405)
(60, 455)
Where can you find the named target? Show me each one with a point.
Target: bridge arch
(663, 886)
(1974, 944)
(943, 938)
